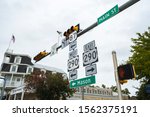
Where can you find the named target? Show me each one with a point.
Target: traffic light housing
(72, 29)
(40, 56)
(123, 81)
(126, 72)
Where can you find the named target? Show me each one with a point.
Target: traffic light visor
(40, 56)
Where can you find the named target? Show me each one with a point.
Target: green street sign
(82, 82)
(108, 14)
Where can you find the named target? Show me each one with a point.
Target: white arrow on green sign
(82, 82)
(108, 14)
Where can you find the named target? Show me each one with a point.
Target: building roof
(48, 68)
(8, 51)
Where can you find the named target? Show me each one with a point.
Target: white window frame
(6, 59)
(12, 68)
(28, 70)
(17, 57)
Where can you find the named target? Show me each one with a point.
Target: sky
(35, 23)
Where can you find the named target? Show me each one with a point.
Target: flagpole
(9, 44)
(12, 39)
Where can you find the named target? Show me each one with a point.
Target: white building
(14, 68)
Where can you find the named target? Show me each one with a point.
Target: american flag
(13, 38)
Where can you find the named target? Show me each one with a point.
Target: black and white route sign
(73, 63)
(90, 57)
(90, 70)
(64, 43)
(73, 74)
(73, 53)
(73, 36)
(89, 46)
(73, 45)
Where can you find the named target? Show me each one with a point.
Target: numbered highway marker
(73, 63)
(90, 57)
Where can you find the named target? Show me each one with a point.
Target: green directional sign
(108, 14)
(82, 82)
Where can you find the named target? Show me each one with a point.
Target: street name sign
(73, 74)
(82, 82)
(54, 49)
(73, 63)
(112, 12)
(90, 57)
(91, 70)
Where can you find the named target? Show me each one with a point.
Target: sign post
(116, 74)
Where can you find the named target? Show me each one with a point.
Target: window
(77, 89)
(87, 90)
(29, 70)
(18, 60)
(7, 59)
(18, 79)
(13, 68)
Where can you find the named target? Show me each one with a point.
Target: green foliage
(124, 91)
(141, 60)
(103, 86)
(141, 93)
(141, 55)
(48, 86)
(114, 88)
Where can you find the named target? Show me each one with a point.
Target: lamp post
(114, 56)
(2, 93)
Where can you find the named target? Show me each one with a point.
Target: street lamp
(2, 93)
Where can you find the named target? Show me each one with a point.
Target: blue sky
(34, 24)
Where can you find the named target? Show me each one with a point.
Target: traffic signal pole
(116, 74)
(121, 8)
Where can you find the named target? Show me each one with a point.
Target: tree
(48, 86)
(141, 93)
(124, 91)
(114, 88)
(141, 55)
(103, 86)
(141, 60)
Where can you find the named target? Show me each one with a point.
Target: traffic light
(72, 29)
(40, 56)
(126, 72)
(123, 81)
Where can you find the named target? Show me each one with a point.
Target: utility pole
(149, 29)
(82, 91)
(116, 74)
